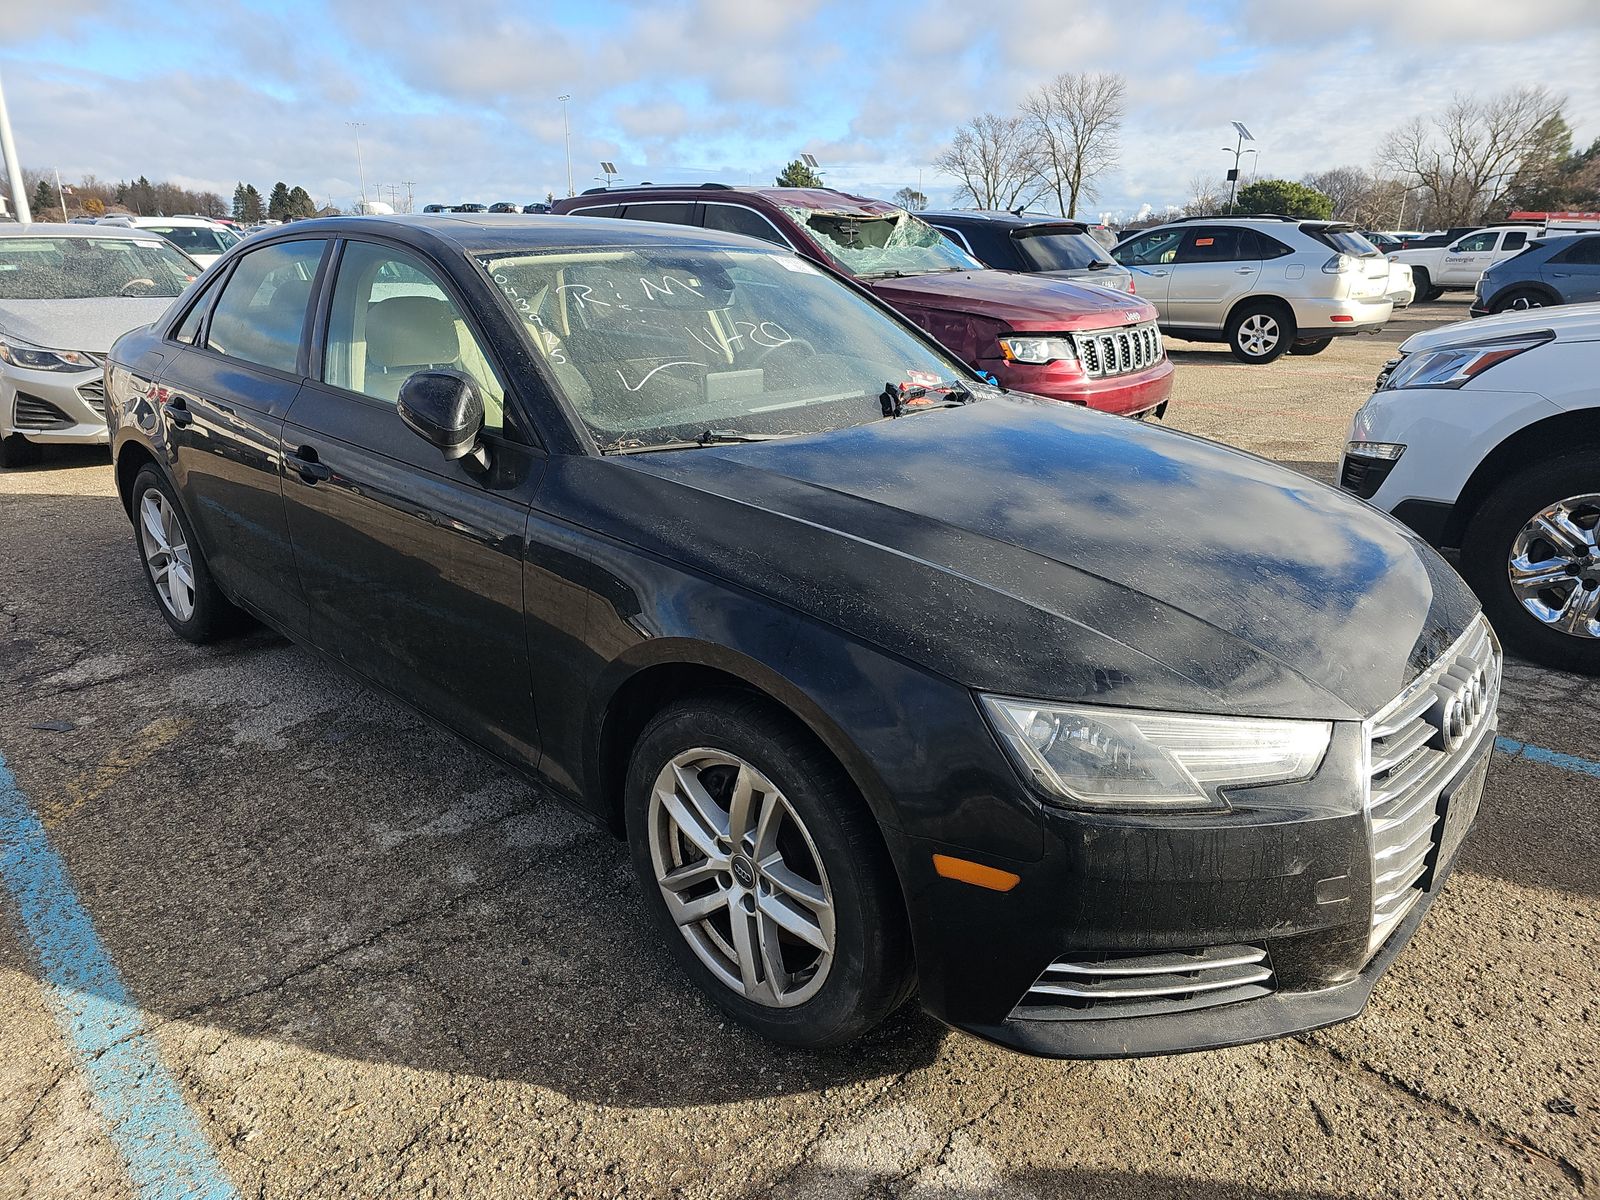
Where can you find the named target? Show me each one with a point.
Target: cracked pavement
(378, 965)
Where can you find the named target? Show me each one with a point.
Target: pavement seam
(26, 1124)
(1489, 1133)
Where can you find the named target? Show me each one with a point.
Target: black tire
(1486, 552)
(1314, 346)
(871, 972)
(213, 616)
(1519, 299)
(1260, 317)
(1426, 293)
(18, 451)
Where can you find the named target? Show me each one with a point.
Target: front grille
(1364, 476)
(1106, 986)
(1416, 744)
(1107, 352)
(32, 412)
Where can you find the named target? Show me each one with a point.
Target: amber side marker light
(966, 871)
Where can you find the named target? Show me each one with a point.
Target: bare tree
(1461, 160)
(1205, 196)
(1347, 187)
(910, 198)
(994, 160)
(1077, 118)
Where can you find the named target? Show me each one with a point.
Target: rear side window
(667, 212)
(261, 313)
(600, 210)
(1514, 241)
(1585, 252)
(1220, 243)
(730, 218)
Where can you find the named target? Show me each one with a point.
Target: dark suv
(1019, 242)
(1050, 337)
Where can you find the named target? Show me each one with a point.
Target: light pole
(1238, 152)
(361, 170)
(8, 150)
(566, 131)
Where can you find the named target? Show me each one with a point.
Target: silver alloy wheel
(1555, 566)
(166, 554)
(1523, 303)
(1258, 334)
(742, 877)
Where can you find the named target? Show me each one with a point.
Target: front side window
(1153, 249)
(730, 218)
(664, 344)
(880, 245)
(261, 314)
(1477, 242)
(391, 318)
(91, 268)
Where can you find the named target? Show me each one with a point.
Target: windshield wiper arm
(896, 398)
(710, 437)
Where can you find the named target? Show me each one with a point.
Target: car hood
(1568, 322)
(90, 325)
(1031, 548)
(1038, 302)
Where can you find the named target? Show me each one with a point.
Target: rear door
(236, 370)
(411, 564)
(1575, 272)
(1214, 267)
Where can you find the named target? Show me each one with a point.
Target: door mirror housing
(444, 409)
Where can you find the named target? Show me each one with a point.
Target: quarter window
(391, 318)
(260, 316)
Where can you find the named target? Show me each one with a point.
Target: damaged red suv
(1062, 340)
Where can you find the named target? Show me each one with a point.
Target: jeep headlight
(1037, 349)
(1122, 757)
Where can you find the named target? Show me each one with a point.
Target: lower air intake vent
(32, 412)
(1087, 987)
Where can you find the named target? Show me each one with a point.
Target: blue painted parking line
(1549, 758)
(167, 1155)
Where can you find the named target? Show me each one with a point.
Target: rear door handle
(178, 410)
(305, 462)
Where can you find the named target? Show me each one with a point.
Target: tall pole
(566, 131)
(1233, 184)
(61, 195)
(8, 150)
(361, 170)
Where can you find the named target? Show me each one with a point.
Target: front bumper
(1341, 318)
(1292, 876)
(1124, 395)
(52, 407)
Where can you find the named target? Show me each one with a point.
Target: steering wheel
(138, 287)
(759, 359)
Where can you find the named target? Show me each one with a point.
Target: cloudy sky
(460, 99)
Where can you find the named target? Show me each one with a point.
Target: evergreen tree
(43, 201)
(300, 204)
(278, 202)
(252, 205)
(238, 201)
(797, 174)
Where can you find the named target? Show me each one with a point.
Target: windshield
(195, 239)
(663, 344)
(894, 243)
(83, 268)
(1060, 250)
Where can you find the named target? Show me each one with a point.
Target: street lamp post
(1238, 152)
(566, 131)
(8, 150)
(361, 170)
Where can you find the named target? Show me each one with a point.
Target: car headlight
(1037, 349)
(38, 358)
(1452, 366)
(1391, 451)
(1122, 757)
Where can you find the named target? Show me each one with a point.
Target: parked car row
(1098, 738)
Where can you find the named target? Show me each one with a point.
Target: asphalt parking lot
(349, 957)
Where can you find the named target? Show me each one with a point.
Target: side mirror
(444, 409)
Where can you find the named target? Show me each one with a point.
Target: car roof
(817, 199)
(62, 229)
(984, 216)
(478, 232)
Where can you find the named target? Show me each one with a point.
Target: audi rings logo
(1460, 711)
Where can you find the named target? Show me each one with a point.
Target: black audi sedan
(1101, 739)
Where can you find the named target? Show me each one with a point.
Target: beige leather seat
(407, 334)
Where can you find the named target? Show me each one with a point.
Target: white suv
(1264, 285)
(1484, 436)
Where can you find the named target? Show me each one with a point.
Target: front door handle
(1244, 270)
(304, 461)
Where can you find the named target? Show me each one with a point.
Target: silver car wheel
(1555, 566)
(742, 877)
(166, 554)
(1522, 303)
(1258, 335)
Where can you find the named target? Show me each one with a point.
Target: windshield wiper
(896, 399)
(711, 437)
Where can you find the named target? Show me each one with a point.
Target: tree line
(91, 196)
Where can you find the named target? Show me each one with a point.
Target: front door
(1215, 266)
(234, 371)
(1150, 257)
(412, 565)
(1467, 259)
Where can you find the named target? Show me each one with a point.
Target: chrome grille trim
(1409, 760)
(1110, 352)
(1112, 986)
